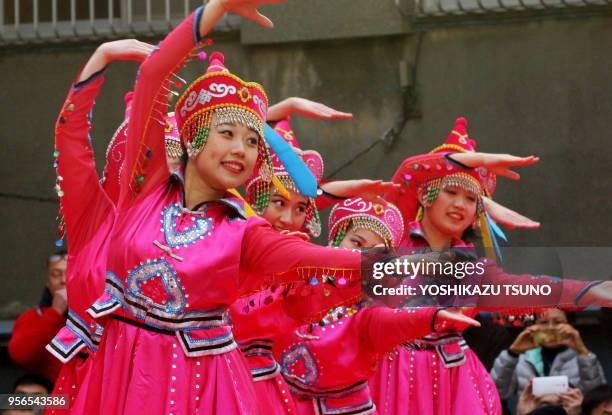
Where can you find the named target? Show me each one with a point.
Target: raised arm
(83, 201)
(145, 166)
(370, 190)
(81, 196)
(303, 106)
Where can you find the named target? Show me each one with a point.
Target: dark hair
(184, 158)
(549, 410)
(470, 235)
(33, 379)
(53, 256)
(596, 397)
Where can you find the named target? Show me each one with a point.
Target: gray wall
(534, 87)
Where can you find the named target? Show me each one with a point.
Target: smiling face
(453, 211)
(286, 214)
(229, 156)
(360, 238)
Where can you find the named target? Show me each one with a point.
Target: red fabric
(290, 259)
(146, 153)
(77, 167)
(384, 328)
(88, 211)
(33, 330)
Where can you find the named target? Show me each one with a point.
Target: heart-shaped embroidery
(201, 227)
(299, 364)
(159, 273)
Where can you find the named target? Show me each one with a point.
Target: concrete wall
(528, 88)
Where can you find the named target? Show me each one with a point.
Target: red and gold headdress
(425, 175)
(230, 100)
(258, 189)
(384, 220)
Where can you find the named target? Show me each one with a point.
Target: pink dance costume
(438, 374)
(76, 342)
(260, 318)
(172, 272)
(88, 216)
(326, 366)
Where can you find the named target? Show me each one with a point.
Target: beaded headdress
(384, 220)
(172, 138)
(478, 181)
(258, 189)
(115, 152)
(230, 100)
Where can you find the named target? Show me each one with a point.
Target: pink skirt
(274, 397)
(417, 383)
(69, 381)
(137, 371)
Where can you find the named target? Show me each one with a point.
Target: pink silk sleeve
(146, 165)
(270, 258)
(563, 292)
(383, 328)
(83, 201)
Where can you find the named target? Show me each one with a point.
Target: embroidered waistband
(142, 325)
(324, 406)
(430, 343)
(153, 314)
(313, 392)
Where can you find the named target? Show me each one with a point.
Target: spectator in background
(598, 401)
(566, 403)
(32, 385)
(551, 347)
(35, 328)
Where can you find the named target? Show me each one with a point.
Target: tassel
(488, 239)
(281, 189)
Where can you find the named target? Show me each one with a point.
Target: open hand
(301, 235)
(248, 10)
(453, 320)
(314, 109)
(508, 217)
(126, 50)
(500, 164)
(525, 340)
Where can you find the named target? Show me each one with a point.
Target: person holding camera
(551, 347)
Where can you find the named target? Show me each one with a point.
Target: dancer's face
(453, 211)
(56, 275)
(284, 214)
(360, 238)
(229, 156)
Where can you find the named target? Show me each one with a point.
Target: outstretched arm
(499, 164)
(303, 106)
(384, 328)
(370, 190)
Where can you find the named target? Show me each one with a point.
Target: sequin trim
(202, 226)
(301, 353)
